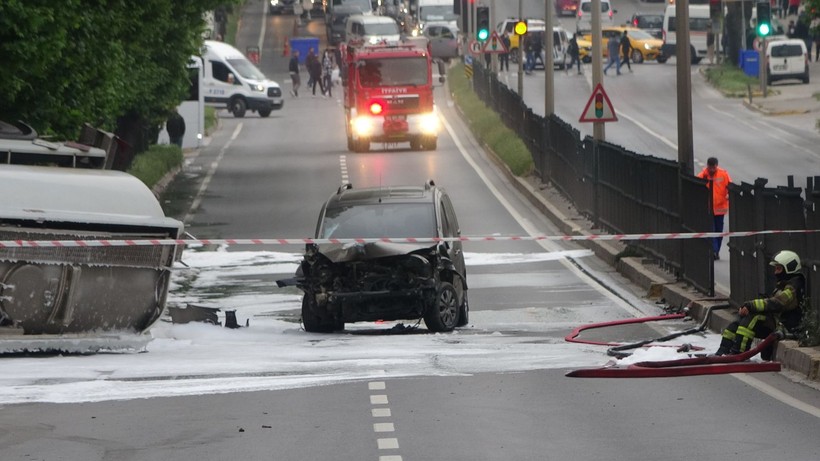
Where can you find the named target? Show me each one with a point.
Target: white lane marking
(766, 132)
(390, 458)
(383, 427)
(388, 444)
(532, 231)
(777, 394)
(380, 412)
(343, 168)
(207, 181)
(376, 385)
(379, 399)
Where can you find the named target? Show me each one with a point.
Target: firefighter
(762, 316)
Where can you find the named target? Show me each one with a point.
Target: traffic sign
(475, 46)
(494, 45)
(599, 107)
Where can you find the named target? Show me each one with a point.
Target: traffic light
(482, 15)
(764, 18)
(520, 28)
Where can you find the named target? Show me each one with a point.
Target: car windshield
(380, 220)
(587, 7)
(387, 28)
(650, 21)
(393, 72)
(437, 13)
(639, 35)
(785, 51)
(246, 69)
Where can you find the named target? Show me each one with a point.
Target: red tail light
(376, 107)
(635, 22)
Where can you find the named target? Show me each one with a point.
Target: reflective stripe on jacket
(720, 189)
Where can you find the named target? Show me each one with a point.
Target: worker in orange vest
(719, 183)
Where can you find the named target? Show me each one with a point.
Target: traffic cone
(286, 49)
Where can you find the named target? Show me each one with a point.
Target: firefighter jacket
(720, 189)
(785, 304)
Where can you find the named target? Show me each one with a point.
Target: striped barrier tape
(298, 241)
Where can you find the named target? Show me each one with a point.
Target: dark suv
(650, 22)
(377, 271)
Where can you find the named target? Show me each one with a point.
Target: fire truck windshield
(393, 72)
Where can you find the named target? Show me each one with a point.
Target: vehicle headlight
(646, 46)
(362, 126)
(258, 87)
(429, 123)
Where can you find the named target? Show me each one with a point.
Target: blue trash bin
(303, 45)
(750, 62)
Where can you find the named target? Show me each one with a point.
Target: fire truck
(388, 95)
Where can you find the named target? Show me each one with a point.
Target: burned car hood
(349, 252)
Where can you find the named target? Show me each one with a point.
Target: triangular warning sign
(494, 44)
(599, 107)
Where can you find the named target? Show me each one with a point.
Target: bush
(487, 125)
(153, 164)
(731, 81)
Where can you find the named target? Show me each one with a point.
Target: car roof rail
(344, 187)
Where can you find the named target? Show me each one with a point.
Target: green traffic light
(763, 30)
(483, 34)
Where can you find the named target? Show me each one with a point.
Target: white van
(363, 29)
(584, 14)
(699, 25)
(233, 82)
(787, 59)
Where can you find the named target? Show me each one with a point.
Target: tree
(98, 61)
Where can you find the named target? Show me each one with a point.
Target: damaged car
(400, 279)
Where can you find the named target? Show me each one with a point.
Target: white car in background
(787, 59)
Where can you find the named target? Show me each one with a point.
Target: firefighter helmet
(788, 259)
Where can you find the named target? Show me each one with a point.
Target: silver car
(443, 39)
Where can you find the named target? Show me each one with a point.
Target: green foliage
(151, 165)
(809, 329)
(74, 61)
(731, 81)
(210, 119)
(487, 125)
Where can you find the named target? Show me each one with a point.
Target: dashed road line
(343, 167)
(383, 443)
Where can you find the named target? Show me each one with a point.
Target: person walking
(327, 72)
(504, 58)
(626, 50)
(314, 68)
(176, 128)
(815, 31)
(612, 48)
(537, 49)
(530, 63)
(293, 69)
(719, 183)
(760, 317)
(574, 55)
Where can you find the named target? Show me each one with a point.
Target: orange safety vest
(720, 189)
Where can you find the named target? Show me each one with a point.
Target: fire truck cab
(388, 95)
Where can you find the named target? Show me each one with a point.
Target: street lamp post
(549, 75)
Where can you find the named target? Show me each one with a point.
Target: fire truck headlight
(429, 123)
(362, 126)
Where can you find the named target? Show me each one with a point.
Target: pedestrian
(719, 183)
(784, 7)
(815, 31)
(504, 58)
(794, 5)
(530, 63)
(626, 50)
(293, 69)
(175, 125)
(612, 48)
(574, 55)
(782, 311)
(314, 68)
(791, 29)
(801, 31)
(537, 49)
(327, 72)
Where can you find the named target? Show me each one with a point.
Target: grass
(731, 81)
(210, 119)
(487, 125)
(150, 166)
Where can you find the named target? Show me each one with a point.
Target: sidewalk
(793, 101)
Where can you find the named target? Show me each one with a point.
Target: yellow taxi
(645, 47)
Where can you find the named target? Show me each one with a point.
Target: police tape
(321, 241)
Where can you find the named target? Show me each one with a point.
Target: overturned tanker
(88, 298)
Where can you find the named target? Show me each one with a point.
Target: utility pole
(598, 131)
(521, 52)
(686, 155)
(494, 56)
(549, 75)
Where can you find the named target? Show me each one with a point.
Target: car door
(450, 229)
(433, 33)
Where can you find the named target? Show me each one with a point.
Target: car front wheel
(312, 321)
(637, 57)
(443, 314)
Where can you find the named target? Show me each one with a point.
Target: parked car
(281, 6)
(652, 23)
(644, 46)
(379, 280)
(787, 59)
(566, 7)
(443, 39)
(584, 12)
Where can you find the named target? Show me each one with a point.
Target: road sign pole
(549, 74)
(598, 130)
(520, 53)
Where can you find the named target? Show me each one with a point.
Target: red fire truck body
(388, 96)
